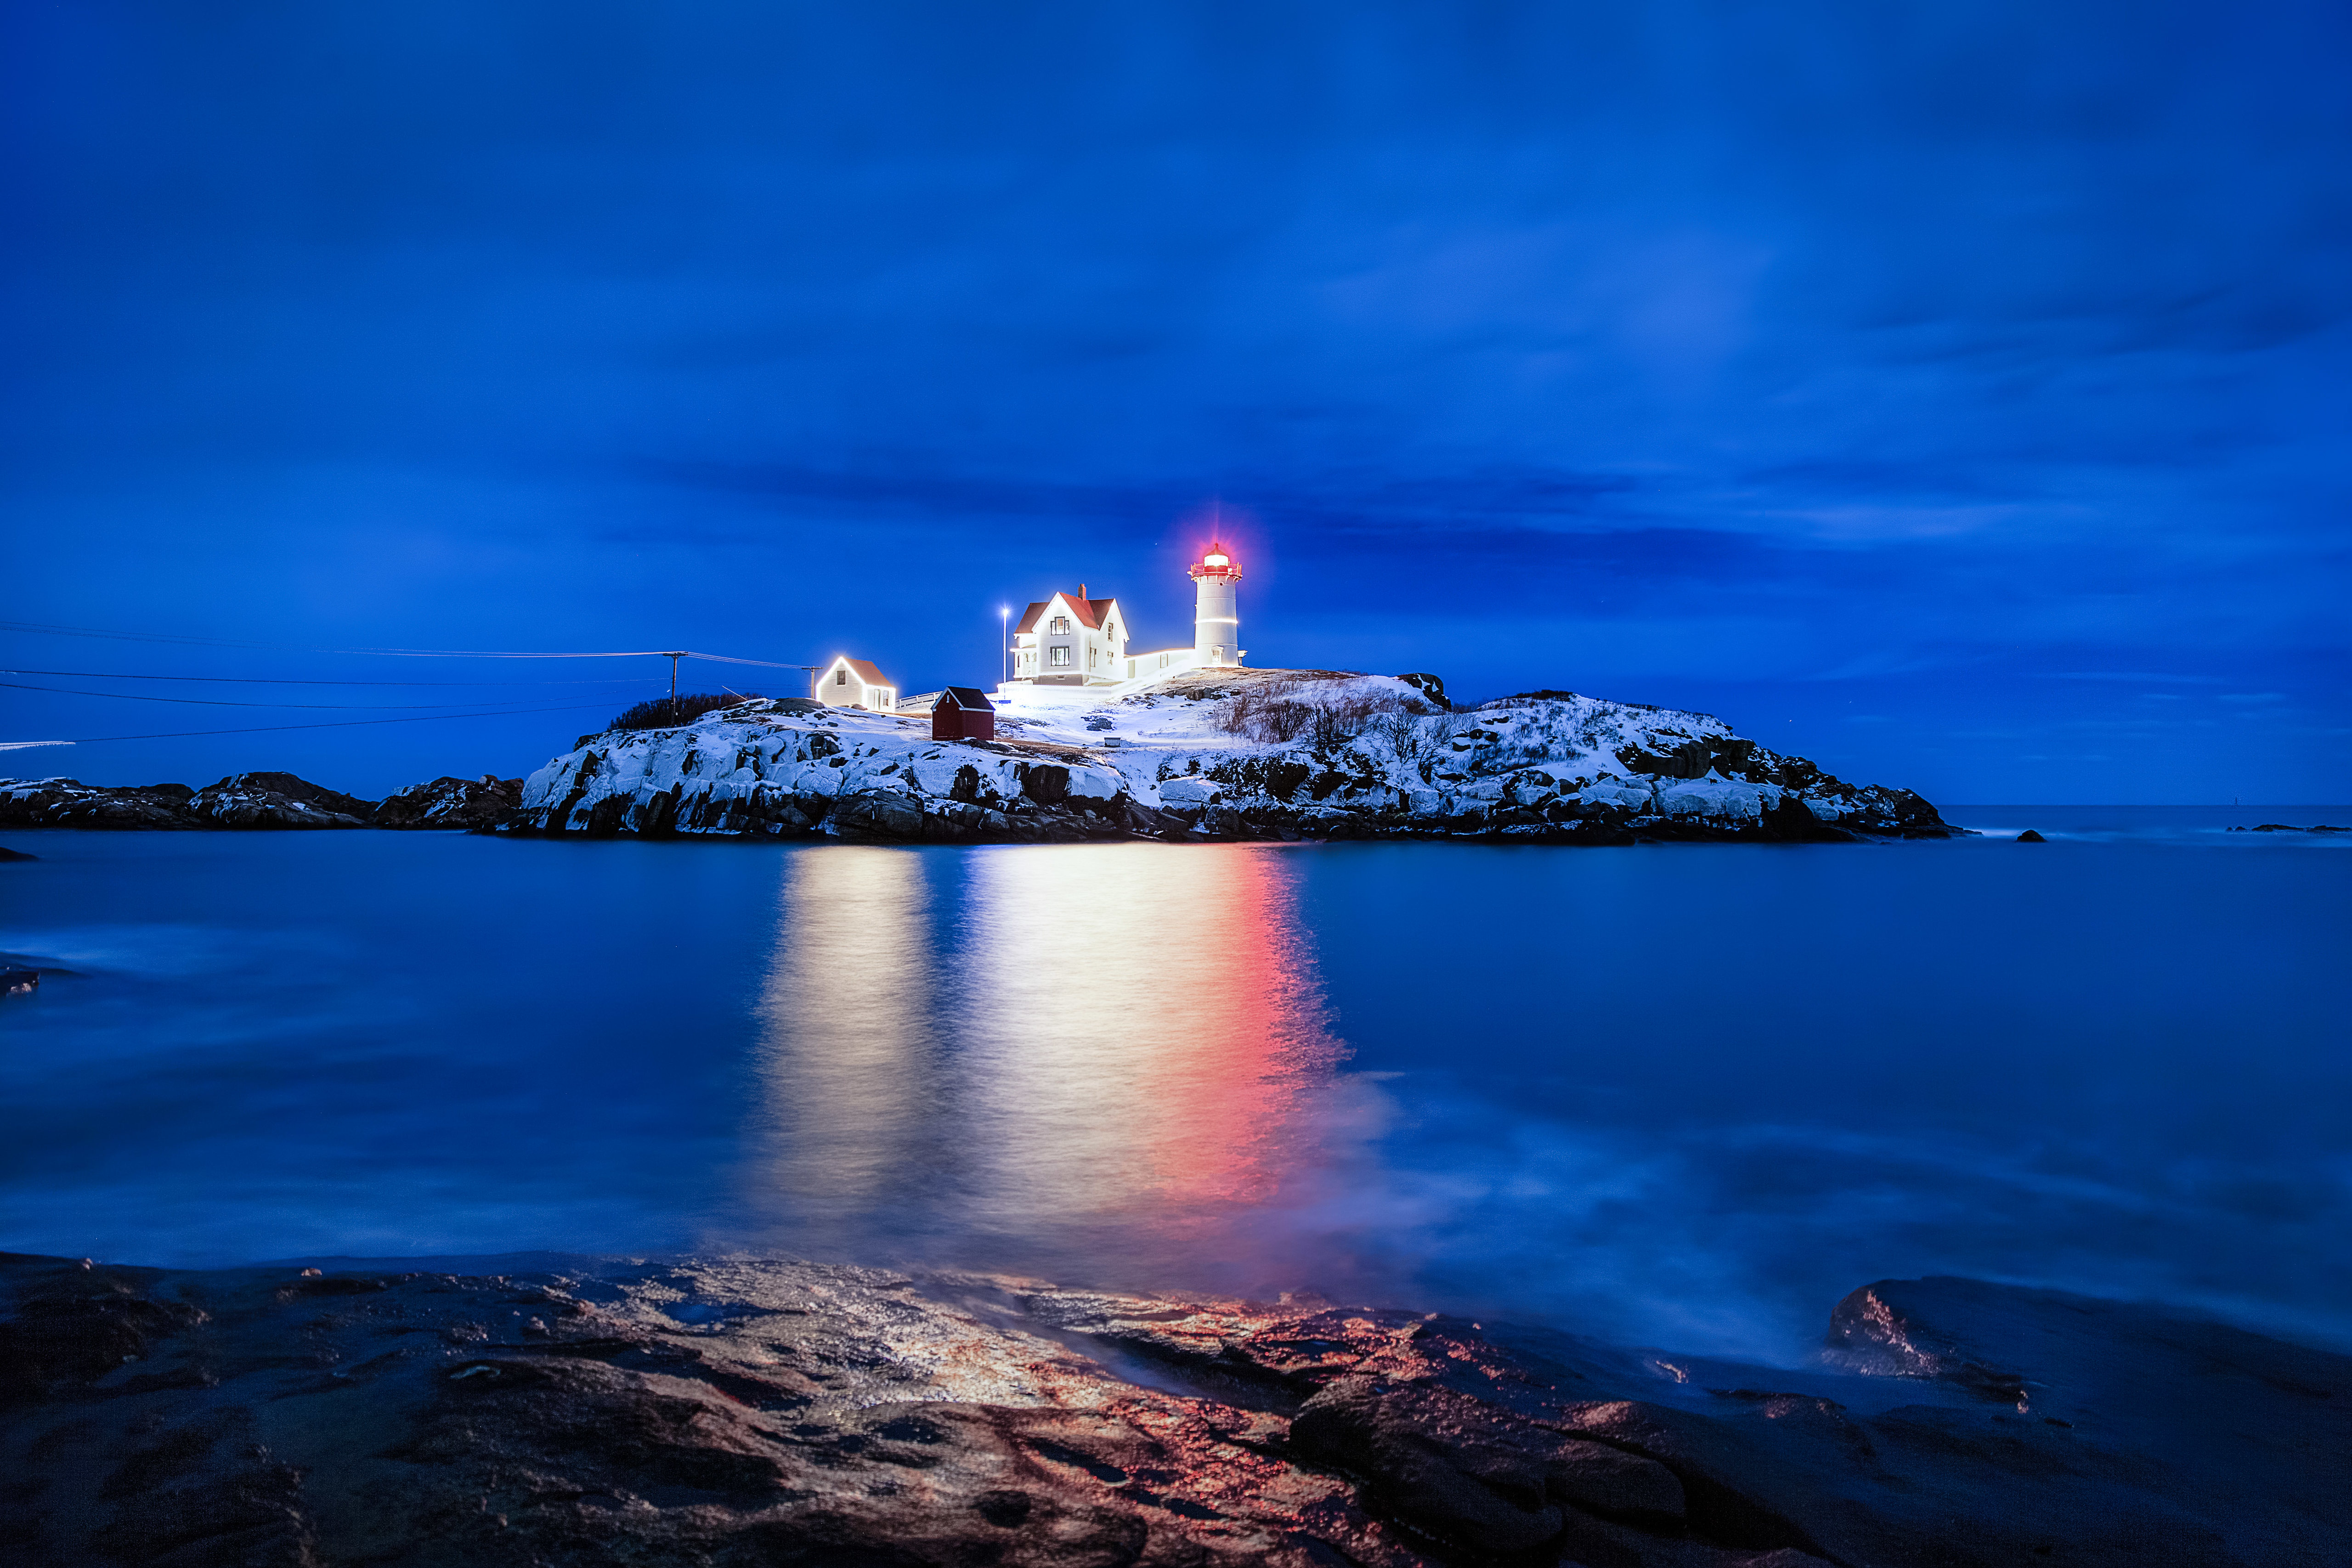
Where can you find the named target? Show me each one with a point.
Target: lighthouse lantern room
(1216, 609)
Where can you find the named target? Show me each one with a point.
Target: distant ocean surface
(1685, 1096)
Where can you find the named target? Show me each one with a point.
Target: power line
(217, 701)
(281, 681)
(764, 663)
(325, 724)
(42, 629)
(45, 630)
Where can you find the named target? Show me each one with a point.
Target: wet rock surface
(449, 803)
(582, 1411)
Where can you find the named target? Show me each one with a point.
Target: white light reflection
(847, 1042)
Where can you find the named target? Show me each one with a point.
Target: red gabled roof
(1091, 613)
(865, 672)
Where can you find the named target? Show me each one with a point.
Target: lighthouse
(1216, 610)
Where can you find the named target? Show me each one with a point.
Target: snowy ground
(1227, 751)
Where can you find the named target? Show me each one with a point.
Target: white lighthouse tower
(1216, 610)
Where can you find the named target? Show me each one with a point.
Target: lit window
(1061, 625)
(1061, 655)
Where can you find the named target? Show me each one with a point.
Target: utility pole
(673, 659)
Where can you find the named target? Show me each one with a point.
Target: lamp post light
(1004, 643)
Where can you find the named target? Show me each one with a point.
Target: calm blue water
(1676, 1095)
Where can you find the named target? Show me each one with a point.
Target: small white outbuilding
(855, 683)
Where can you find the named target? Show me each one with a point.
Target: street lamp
(1004, 643)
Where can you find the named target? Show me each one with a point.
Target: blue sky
(1956, 395)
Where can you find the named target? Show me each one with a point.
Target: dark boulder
(72, 1323)
(277, 801)
(1790, 821)
(19, 982)
(2031, 837)
(1047, 783)
(451, 803)
(880, 814)
(1691, 760)
(1468, 1471)
(70, 803)
(1429, 686)
(9, 854)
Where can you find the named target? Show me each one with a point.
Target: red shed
(963, 713)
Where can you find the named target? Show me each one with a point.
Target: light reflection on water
(1684, 1096)
(1106, 1057)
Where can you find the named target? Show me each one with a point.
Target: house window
(1061, 655)
(1061, 625)
(1091, 652)
(841, 677)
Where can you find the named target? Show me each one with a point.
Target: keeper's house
(1069, 640)
(854, 683)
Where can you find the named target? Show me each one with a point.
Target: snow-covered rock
(239, 800)
(70, 803)
(449, 803)
(277, 801)
(1237, 754)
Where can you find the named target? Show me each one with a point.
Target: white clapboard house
(855, 683)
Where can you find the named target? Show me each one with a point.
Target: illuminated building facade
(855, 683)
(1070, 640)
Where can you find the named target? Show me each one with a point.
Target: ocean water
(1685, 1096)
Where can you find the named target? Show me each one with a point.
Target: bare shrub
(1341, 718)
(1271, 711)
(1408, 734)
(658, 712)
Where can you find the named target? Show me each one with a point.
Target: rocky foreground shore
(576, 1411)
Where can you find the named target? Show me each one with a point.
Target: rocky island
(253, 800)
(1226, 754)
(599, 1411)
(1214, 754)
